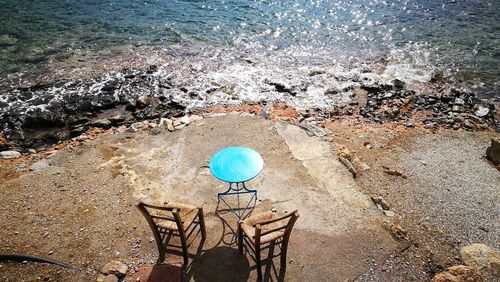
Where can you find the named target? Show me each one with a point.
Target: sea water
(416, 37)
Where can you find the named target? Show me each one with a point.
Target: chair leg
(284, 248)
(258, 262)
(161, 256)
(182, 236)
(202, 224)
(240, 238)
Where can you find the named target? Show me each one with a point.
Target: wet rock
(282, 86)
(458, 273)
(493, 152)
(102, 123)
(459, 101)
(482, 111)
(152, 69)
(481, 256)
(398, 83)
(316, 71)
(78, 130)
(115, 267)
(142, 101)
(10, 155)
(110, 86)
(42, 164)
(437, 77)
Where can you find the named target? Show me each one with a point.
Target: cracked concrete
(300, 172)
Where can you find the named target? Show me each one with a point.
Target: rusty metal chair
(173, 219)
(260, 231)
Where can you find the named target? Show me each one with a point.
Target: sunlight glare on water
(456, 35)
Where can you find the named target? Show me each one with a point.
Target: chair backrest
(281, 225)
(154, 213)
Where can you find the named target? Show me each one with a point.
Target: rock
(282, 86)
(459, 101)
(115, 267)
(42, 164)
(10, 155)
(389, 213)
(410, 124)
(429, 125)
(102, 123)
(493, 152)
(168, 123)
(468, 124)
(349, 166)
(398, 231)
(316, 71)
(136, 126)
(185, 120)
(81, 138)
(109, 86)
(195, 118)
(117, 119)
(482, 111)
(379, 201)
(215, 115)
(458, 273)
(101, 278)
(391, 171)
(437, 76)
(313, 129)
(110, 278)
(7, 40)
(142, 101)
(180, 126)
(398, 83)
(481, 256)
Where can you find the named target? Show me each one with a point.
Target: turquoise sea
(461, 38)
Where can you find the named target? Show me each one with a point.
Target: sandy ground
(80, 209)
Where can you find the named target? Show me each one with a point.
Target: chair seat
(187, 214)
(248, 227)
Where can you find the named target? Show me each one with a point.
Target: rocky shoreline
(36, 115)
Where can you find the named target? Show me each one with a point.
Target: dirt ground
(78, 207)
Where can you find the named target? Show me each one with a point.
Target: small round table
(236, 165)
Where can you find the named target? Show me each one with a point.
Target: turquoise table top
(236, 164)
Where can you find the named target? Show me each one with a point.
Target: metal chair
(260, 231)
(173, 219)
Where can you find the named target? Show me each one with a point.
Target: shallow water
(458, 37)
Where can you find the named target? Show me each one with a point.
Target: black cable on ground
(21, 258)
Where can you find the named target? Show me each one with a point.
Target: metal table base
(236, 189)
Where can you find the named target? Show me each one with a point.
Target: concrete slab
(338, 223)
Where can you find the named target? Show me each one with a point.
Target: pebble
(115, 267)
(10, 155)
(194, 118)
(42, 164)
(185, 120)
